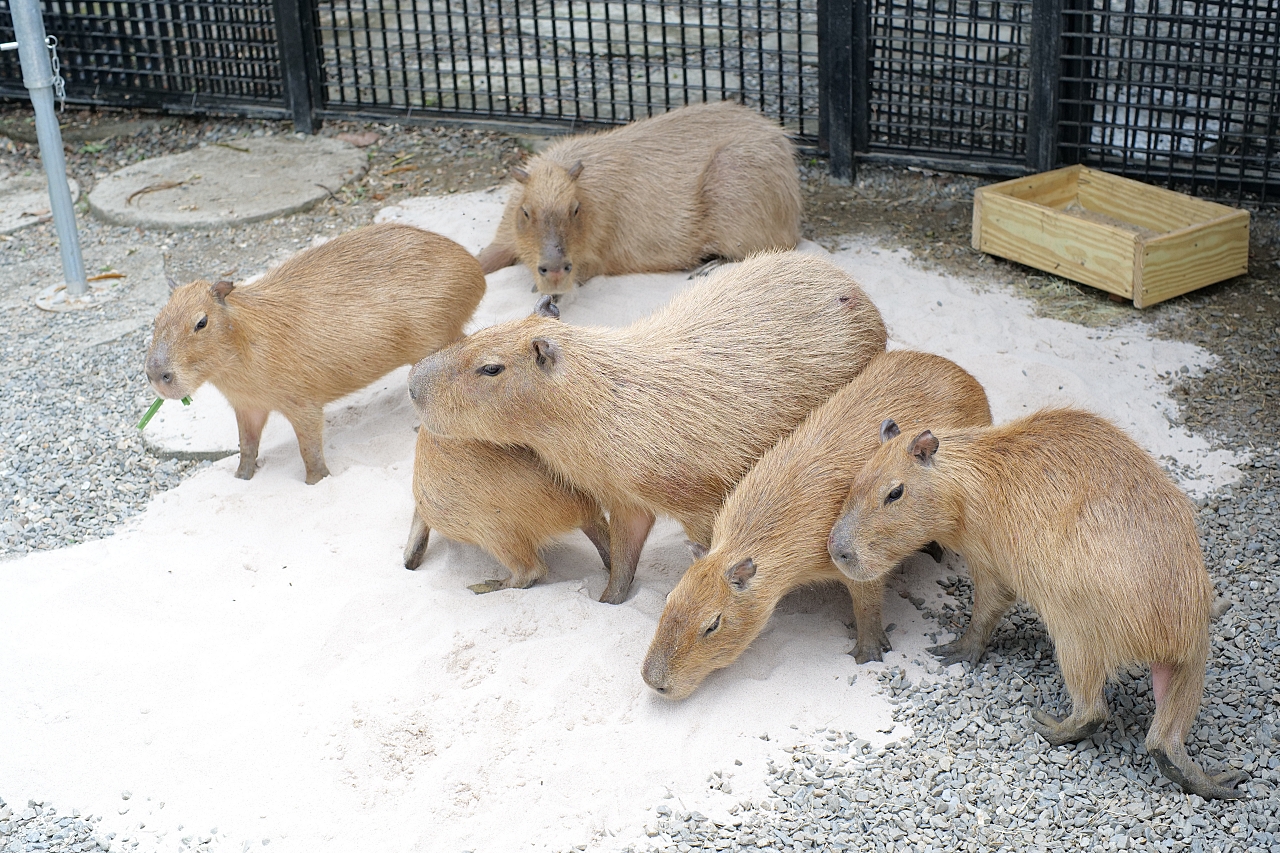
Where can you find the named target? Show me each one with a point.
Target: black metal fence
(1180, 92)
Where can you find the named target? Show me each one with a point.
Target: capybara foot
(246, 469)
(1193, 780)
(958, 651)
(487, 586)
(705, 268)
(1058, 732)
(316, 475)
(871, 645)
(933, 549)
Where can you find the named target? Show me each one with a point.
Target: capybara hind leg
(1085, 677)
(525, 565)
(872, 641)
(1177, 691)
(597, 530)
(416, 548)
(496, 256)
(250, 423)
(628, 528)
(308, 425)
(990, 601)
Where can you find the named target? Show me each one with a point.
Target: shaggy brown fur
(1064, 511)
(326, 322)
(667, 414)
(666, 193)
(771, 536)
(501, 499)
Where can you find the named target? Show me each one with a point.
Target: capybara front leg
(628, 528)
(416, 548)
(868, 621)
(1177, 691)
(1085, 677)
(526, 567)
(990, 601)
(497, 255)
(308, 425)
(250, 423)
(597, 530)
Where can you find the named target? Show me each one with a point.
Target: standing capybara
(1062, 510)
(667, 414)
(707, 181)
(326, 322)
(502, 499)
(771, 536)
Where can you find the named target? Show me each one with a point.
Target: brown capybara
(771, 535)
(707, 181)
(667, 414)
(326, 322)
(502, 499)
(1062, 510)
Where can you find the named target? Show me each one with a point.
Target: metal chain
(59, 85)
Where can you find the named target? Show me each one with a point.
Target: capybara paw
(1188, 775)
(245, 471)
(956, 652)
(873, 649)
(487, 586)
(314, 477)
(613, 596)
(1057, 731)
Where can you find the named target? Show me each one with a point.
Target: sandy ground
(250, 662)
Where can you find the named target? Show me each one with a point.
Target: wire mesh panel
(950, 78)
(205, 52)
(570, 62)
(1181, 93)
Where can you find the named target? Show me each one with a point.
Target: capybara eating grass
(666, 415)
(700, 182)
(326, 322)
(771, 535)
(1062, 510)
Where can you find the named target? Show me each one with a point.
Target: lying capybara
(1064, 511)
(667, 414)
(771, 535)
(326, 322)
(700, 182)
(502, 499)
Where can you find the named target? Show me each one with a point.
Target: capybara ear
(889, 430)
(546, 307)
(923, 448)
(697, 549)
(740, 573)
(173, 285)
(546, 352)
(575, 170)
(520, 173)
(221, 289)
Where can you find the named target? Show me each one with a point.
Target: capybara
(667, 414)
(771, 535)
(707, 181)
(1062, 510)
(326, 322)
(502, 499)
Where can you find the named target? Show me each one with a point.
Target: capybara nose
(156, 373)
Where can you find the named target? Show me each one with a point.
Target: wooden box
(1141, 242)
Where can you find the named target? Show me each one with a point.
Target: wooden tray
(1141, 242)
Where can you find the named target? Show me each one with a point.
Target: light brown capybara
(502, 499)
(323, 324)
(1062, 510)
(771, 535)
(667, 414)
(707, 181)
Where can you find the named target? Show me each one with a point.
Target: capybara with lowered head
(771, 535)
(502, 499)
(667, 414)
(1062, 510)
(326, 322)
(707, 181)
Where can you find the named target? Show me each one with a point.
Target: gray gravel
(42, 827)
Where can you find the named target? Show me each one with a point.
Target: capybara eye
(576, 205)
(492, 369)
(202, 322)
(893, 495)
(710, 629)
(525, 211)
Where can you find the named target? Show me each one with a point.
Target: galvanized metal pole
(37, 75)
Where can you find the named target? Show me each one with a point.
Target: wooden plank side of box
(1057, 242)
(1173, 264)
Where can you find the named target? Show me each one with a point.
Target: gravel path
(72, 468)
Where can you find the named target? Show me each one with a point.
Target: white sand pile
(252, 656)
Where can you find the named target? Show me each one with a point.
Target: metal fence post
(299, 62)
(1046, 71)
(836, 80)
(37, 76)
